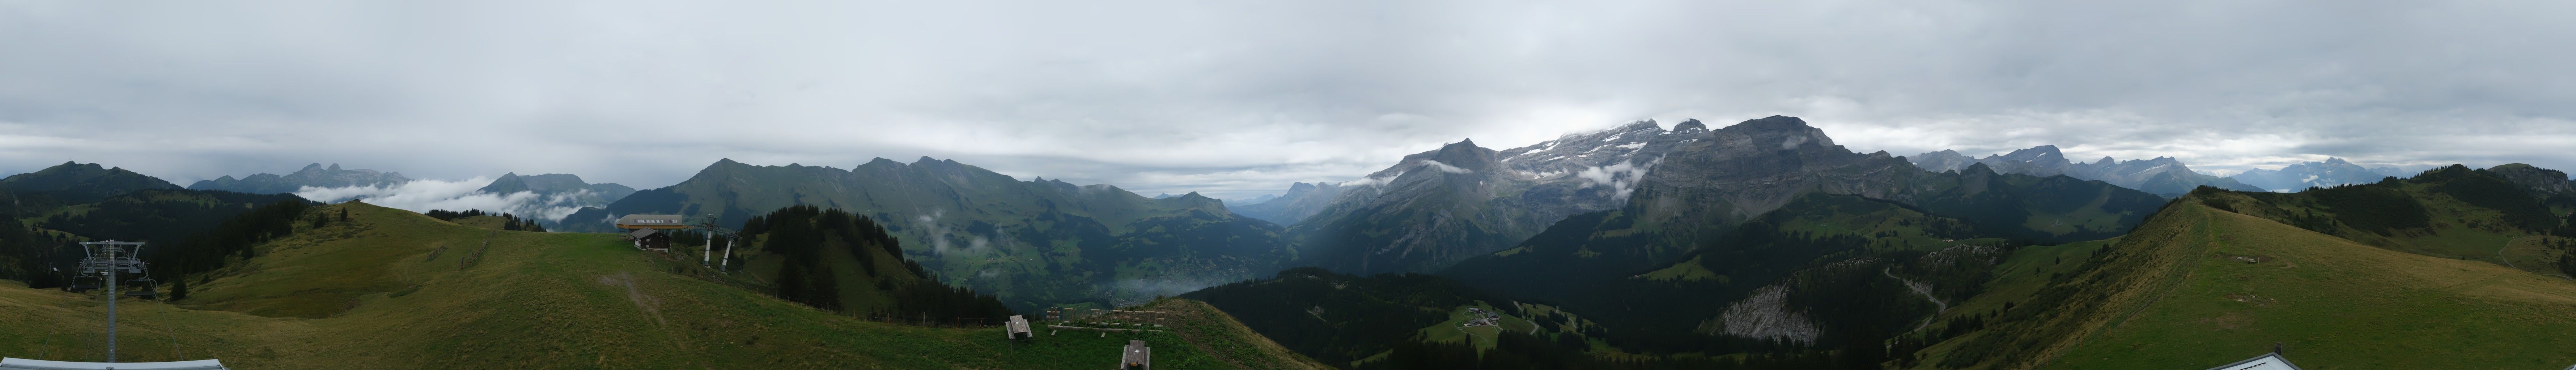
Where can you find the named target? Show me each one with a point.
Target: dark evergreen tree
(179, 289)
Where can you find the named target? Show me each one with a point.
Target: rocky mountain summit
(1435, 208)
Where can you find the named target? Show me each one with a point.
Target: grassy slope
(370, 296)
(1227, 340)
(2173, 295)
(2530, 254)
(2340, 305)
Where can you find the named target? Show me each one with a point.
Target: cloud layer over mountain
(425, 195)
(1238, 98)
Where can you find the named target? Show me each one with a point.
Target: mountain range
(1760, 244)
(1716, 215)
(559, 189)
(313, 175)
(1435, 208)
(2163, 176)
(2328, 173)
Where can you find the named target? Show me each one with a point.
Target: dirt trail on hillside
(1925, 290)
(643, 303)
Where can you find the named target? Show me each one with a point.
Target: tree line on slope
(509, 222)
(186, 231)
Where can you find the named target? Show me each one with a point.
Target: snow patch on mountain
(1622, 176)
(1792, 143)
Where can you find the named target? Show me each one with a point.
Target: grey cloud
(1239, 98)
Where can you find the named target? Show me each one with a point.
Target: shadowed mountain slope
(76, 183)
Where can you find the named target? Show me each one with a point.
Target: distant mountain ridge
(570, 188)
(313, 175)
(1302, 200)
(2164, 176)
(2328, 173)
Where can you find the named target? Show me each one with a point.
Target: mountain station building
(650, 239)
(2268, 361)
(26, 364)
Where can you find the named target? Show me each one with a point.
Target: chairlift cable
(49, 341)
(167, 326)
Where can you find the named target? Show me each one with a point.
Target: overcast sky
(1236, 98)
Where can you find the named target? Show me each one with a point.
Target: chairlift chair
(151, 289)
(84, 283)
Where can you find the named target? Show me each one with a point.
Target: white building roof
(2268, 361)
(644, 221)
(26, 364)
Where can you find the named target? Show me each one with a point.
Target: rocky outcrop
(1767, 315)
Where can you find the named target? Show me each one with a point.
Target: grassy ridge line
(2087, 287)
(1228, 340)
(2162, 289)
(2133, 283)
(365, 295)
(2339, 304)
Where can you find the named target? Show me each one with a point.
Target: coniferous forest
(807, 236)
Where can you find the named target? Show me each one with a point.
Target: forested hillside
(185, 230)
(833, 260)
